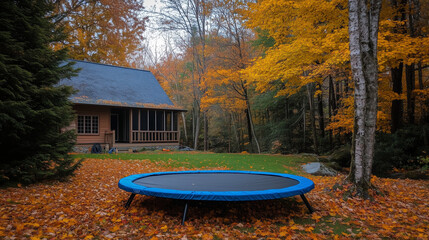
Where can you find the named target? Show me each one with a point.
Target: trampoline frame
(305, 185)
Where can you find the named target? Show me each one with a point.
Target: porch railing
(154, 136)
(109, 138)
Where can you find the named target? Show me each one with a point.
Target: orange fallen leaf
(115, 228)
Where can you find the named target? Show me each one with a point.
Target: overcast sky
(155, 40)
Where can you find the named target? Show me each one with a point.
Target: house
(121, 107)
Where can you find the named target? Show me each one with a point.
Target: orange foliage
(176, 77)
(90, 206)
(103, 31)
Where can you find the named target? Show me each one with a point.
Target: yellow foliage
(311, 43)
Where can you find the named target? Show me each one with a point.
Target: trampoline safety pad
(217, 185)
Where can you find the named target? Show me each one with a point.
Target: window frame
(91, 133)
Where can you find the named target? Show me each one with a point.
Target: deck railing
(154, 136)
(109, 138)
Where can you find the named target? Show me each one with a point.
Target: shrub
(401, 149)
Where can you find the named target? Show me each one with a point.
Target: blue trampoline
(214, 185)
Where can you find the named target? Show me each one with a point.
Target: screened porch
(144, 126)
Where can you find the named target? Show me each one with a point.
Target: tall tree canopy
(284, 65)
(103, 31)
(33, 110)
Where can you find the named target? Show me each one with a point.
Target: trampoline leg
(307, 203)
(127, 205)
(184, 214)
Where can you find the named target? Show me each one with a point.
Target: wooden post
(131, 126)
(139, 123)
(177, 128)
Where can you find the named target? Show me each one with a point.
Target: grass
(251, 162)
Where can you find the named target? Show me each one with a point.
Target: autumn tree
(174, 72)
(33, 109)
(103, 31)
(363, 31)
(403, 48)
(189, 18)
(231, 53)
(310, 45)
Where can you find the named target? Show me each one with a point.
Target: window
(151, 120)
(136, 119)
(87, 124)
(143, 120)
(167, 121)
(175, 121)
(160, 120)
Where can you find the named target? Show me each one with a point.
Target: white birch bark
(363, 31)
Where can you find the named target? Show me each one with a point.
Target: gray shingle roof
(102, 84)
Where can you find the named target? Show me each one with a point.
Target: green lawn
(233, 161)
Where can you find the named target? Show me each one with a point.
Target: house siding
(103, 114)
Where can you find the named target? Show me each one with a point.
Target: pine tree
(33, 108)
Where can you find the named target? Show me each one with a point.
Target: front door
(120, 122)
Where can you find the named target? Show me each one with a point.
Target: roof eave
(129, 105)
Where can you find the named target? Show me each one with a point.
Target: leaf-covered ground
(90, 206)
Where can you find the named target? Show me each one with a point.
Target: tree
(310, 44)
(103, 31)
(231, 53)
(33, 109)
(363, 34)
(191, 17)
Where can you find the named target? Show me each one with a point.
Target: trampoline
(217, 185)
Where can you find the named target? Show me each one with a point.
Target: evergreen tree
(33, 108)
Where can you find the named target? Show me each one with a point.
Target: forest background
(267, 76)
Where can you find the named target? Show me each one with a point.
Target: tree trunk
(197, 126)
(330, 94)
(184, 127)
(237, 134)
(397, 105)
(287, 108)
(333, 95)
(249, 129)
(410, 80)
(337, 92)
(310, 94)
(346, 86)
(320, 109)
(396, 72)
(363, 30)
(206, 130)
(252, 128)
(229, 131)
(193, 126)
(420, 73)
(303, 120)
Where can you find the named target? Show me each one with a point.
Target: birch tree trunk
(184, 127)
(363, 30)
